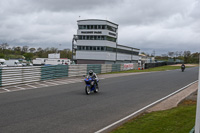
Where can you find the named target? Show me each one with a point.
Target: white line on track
(50, 83)
(6, 89)
(142, 109)
(60, 82)
(31, 86)
(20, 87)
(41, 84)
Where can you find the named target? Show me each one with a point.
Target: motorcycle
(182, 68)
(90, 85)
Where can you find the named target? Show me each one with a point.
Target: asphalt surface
(67, 109)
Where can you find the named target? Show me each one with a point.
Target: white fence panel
(77, 70)
(17, 75)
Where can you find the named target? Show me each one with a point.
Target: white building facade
(97, 44)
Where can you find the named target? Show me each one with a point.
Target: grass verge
(177, 120)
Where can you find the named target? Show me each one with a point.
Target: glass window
(80, 37)
(95, 37)
(88, 27)
(92, 27)
(83, 37)
(98, 48)
(87, 47)
(103, 26)
(90, 48)
(102, 48)
(84, 26)
(95, 26)
(94, 48)
(88, 37)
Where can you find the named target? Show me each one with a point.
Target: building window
(95, 26)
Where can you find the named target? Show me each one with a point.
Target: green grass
(162, 68)
(177, 120)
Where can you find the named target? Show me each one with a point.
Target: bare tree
(39, 49)
(25, 49)
(171, 54)
(32, 50)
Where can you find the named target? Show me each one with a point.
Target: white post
(197, 122)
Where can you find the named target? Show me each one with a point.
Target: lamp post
(75, 38)
(197, 121)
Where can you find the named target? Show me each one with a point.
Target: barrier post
(197, 122)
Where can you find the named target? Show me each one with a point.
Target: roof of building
(97, 20)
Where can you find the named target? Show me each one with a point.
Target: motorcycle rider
(93, 76)
(182, 67)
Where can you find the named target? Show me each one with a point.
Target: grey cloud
(146, 24)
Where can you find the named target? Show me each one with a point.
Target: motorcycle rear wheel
(87, 90)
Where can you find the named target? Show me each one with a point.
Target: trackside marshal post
(197, 122)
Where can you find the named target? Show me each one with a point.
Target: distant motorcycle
(182, 68)
(90, 85)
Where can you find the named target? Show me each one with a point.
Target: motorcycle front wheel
(96, 89)
(87, 90)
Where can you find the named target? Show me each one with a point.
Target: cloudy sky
(160, 25)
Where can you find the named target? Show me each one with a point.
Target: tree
(3, 46)
(17, 50)
(28, 56)
(187, 56)
(66, 53)
(2, 55)
(53, 50)
(171, 54)
(32, 50)
(25, 49)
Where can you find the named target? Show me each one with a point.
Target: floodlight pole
(75, 38)
(197, 122)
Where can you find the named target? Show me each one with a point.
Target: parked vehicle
(50, 61)
(12, 63)
(2, 63)
(90, 85)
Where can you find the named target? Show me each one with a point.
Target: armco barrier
(77, 70)
(95, 67)
(16, 75)
(105, 68)
(116, 67)
(52, 72)
(151, 65)
(192, 131)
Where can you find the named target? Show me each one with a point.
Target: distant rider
(94, 77)
(182, 67)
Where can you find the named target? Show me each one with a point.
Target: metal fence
(17, 75)
(77, 70)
